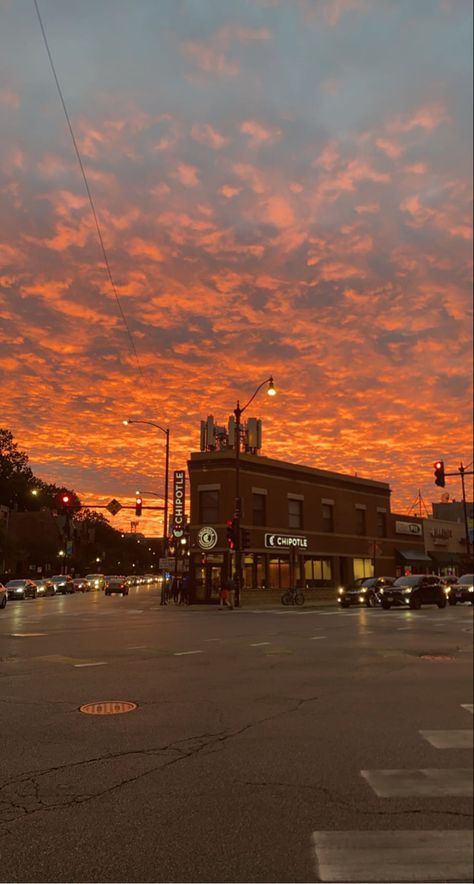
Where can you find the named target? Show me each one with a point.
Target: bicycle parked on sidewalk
(292, 597)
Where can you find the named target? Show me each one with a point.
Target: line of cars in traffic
(409, 591)
(64, 584)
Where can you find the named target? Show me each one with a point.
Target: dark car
(462, 590)
(21, 589)
(63, 583)
(80, 584)
(364, 591)
(413, 591)
(116, 584)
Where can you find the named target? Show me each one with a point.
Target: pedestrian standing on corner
(184, 598)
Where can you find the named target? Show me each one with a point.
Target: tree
(16, 477)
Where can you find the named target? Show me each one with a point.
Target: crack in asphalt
(350, 805)
(29, 787)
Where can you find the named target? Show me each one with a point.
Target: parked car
(44, 587)
(364, 591)
(3, 595)
(21, 589)
(63, 584)
(116, 584)
(80, 584)
(96, 581)
(413, 591)
(462, 590)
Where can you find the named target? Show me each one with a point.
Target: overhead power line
(89, 194)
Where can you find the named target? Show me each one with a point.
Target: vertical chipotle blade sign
(178, 503)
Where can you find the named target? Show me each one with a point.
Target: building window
(279, 573)
(381, 524)
(208, 507)
(295, 513)
(363, 567)
(360, 522)
(317, 572)
(259, 515)
(328, 518)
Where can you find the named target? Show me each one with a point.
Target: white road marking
(83, 665)
(27, 634)
(185, 653)
(469, 707)
(259, 644)
(455, 782)
(315, 637)
(136, 647)
(212, 639)
(394, 855)
(453, 739)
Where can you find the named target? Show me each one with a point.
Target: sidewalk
(313, 598)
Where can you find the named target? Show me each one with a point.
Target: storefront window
(248, 572)
(208, 507)
(279, 573)
(317, 571)
(363, 567)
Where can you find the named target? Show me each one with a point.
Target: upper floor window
(259, 514)
(381, 524)
(360, 522)
(328, 517)
(295, 513)
(208, 507)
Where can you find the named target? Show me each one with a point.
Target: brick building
(308, 527)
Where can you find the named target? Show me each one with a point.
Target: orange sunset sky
(282, 188)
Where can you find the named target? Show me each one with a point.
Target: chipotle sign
(178, 503)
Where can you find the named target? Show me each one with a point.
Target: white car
(3, 595)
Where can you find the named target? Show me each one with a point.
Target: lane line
(315, 638)
(393, 855)
(27, 634)
(469, 707)
(83, 665)
(259, 644)
(185, 653)
(136, 647)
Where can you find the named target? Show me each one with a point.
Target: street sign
(166, 564)
(114, 506)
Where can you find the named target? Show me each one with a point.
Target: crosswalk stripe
(469, 707)
(452, 739)
(430, 782)
(394, 856)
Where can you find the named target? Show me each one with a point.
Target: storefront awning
(446, 558)
(414, 555)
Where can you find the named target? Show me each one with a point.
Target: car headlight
(341, 590)
(471, 589)
(407, 591)
(363, 589)
(19, 589)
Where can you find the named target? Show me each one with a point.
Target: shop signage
(408, 528)
(178, 503)
(285, 541)
(207, 538)
(441, 533)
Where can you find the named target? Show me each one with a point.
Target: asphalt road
(268, 744)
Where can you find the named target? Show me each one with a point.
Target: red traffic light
(438, 467)
(65, 498)
(138, 506)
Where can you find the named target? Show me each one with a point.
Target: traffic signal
(65, 499)
(245, 539)
(138, 506)
(231, 535)
(439, 473)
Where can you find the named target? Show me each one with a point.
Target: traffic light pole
(461, 471)
(237, 510)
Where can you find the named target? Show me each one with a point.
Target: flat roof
(259, 460)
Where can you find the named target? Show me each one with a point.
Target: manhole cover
(437, 658)
(108, 707)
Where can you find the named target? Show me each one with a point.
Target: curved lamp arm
(271, 387)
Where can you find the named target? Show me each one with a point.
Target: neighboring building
(446, 545)
(305, 526)
(453, 511)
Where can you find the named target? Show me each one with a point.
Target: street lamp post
(238, 411)
(167, 463)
